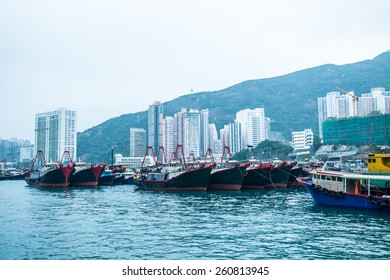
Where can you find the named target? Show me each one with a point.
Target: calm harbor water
(121, 222)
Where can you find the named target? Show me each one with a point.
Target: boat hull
(59, 177)
(88, 176)
(191, 180)
(267, 177)
(323, 196)
(227, 179)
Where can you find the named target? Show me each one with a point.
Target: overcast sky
(105, 58)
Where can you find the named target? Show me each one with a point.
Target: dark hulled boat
(196, 179)
(297, 172)
(87, 175)
(49, 175)
(174, 175)
(226, 175)
(267, 175)
(106, 178)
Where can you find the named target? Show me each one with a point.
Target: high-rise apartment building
(193, 133)
(178, 132)
(337, 106)
(55, 132)
(204, 132)
(235, 137)
(137, 142)
(253, 126)
(168, 139)
(213, 136)
(155, 125)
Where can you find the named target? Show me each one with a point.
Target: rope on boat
(269, 179)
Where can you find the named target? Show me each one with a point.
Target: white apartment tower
(137, 142)
(204, 132)
(331, 104)
(235, 137)
(155, 125)
(302, 140)
(178, 119)
(253, 126)
(193, 133)
(321, 113)
(56, 132)
(367, 104)
(213, 136)
(168, 139)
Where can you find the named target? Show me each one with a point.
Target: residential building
(204, 132)
(155, 125)
(137, 142)
(13, 151)
(253, 126)
(213, 136)
(168, 142)
(56, 132)
(235, 137)
(302, 140)
(193, 133)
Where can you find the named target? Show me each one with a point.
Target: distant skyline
(104, 59)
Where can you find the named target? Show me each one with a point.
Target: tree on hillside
(266, 150)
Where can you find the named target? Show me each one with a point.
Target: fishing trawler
(227, 174)
(174, 175)
(54, 174)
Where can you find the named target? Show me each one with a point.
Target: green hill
(289, 100)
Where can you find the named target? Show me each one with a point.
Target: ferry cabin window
(322, 177)
(339, 179)
(333, 178)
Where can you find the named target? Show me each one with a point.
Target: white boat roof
(353, 175)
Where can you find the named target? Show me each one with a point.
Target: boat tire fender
(371, 199)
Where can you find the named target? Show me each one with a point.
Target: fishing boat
(273, 174)
(349, 189)
(54, 174)
(87, 175)
(106, 178)
(226, 174)
(128, 175)
(298, 171)
(118, 172)
(174, 175)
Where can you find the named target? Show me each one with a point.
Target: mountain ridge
(289, 100)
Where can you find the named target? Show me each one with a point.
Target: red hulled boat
(227, 174)
(174, 175)
(261, 175)
(49, 174)
(87, 175)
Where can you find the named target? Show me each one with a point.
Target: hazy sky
(108, 58)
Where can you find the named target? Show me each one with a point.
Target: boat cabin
(365, 184)
(378, 163)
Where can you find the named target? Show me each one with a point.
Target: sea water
(123, 223)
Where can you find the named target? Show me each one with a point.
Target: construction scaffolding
(357, 131)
